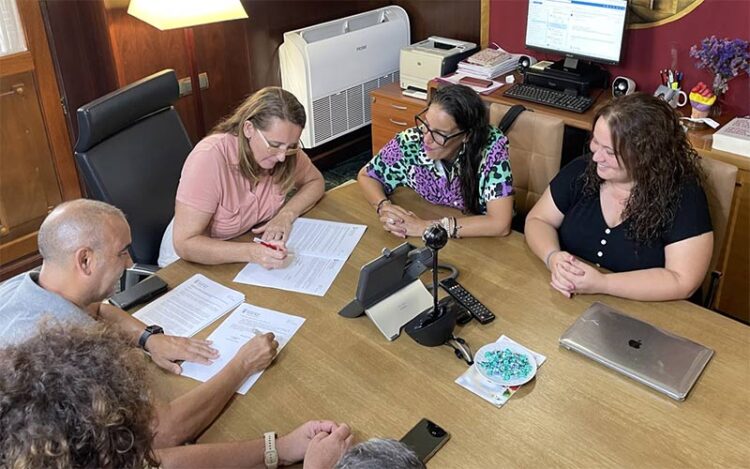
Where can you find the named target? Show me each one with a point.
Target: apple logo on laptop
(634, 343)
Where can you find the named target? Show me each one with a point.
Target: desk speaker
(622, 86)
(524, 62)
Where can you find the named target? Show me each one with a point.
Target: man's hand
(292, 447)
(257, 353)
(166, 349)
(325, 450)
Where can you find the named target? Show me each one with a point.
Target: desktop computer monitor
(577, 29)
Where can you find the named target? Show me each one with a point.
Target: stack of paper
(489, 57)
(734, 137)
(242, 325)
(191, 306)
(490, 65)
(318, 251)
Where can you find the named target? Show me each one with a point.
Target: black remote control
(467, 300)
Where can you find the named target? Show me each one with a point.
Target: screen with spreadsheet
(586, 29)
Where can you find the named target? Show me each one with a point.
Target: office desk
(575, 413)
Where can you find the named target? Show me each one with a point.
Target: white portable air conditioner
(332, 67)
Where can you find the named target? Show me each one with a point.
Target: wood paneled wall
(79, 42)
(113, 48)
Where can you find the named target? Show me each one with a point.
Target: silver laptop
(652, 356)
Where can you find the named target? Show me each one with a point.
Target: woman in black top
(635, 206)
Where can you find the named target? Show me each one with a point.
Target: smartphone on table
(425, 439)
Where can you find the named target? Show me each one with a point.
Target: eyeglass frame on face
(272, 150)
(420, 123)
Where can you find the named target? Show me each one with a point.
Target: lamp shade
(172, 14)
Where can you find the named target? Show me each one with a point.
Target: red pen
(268, 245)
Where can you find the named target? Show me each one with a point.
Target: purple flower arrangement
(725, 58)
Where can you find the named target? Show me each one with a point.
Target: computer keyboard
(554, 98)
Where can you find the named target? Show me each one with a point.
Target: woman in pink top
(238, 178)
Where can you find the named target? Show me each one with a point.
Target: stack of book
(488, 63)
(734, 137)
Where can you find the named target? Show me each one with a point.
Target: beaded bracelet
(451, 226)
(380, 205)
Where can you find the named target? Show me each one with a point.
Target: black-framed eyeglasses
(437, 136)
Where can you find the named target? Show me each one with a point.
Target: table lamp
(173, 14)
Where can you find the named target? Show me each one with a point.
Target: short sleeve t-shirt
(403, 162)
(23, 303)
(212, 182)
(584, 232)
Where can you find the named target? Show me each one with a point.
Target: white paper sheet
(319, 249)
(191, 306)
(242, 325)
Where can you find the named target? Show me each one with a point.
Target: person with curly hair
(77, 397)
(635, 206)
(453, 157)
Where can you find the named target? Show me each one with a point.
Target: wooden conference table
(576, 413)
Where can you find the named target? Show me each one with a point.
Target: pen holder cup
(674, 96)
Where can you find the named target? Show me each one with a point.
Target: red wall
(649, 50)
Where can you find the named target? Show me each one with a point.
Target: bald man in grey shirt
(23, 303)
(84, 245)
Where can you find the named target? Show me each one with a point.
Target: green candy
(506, 364)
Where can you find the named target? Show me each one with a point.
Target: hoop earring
(130, 446)
(463, 148)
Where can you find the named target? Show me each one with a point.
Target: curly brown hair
(653, 148)
(74, 397)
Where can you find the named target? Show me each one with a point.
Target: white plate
(480, 357)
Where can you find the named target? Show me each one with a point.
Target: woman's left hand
(591, 281)
(278, 228)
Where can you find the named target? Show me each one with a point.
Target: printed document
(318, 250)
(191, 306)
(242, 325)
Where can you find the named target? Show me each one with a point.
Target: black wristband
(148, 332)
(380, 205)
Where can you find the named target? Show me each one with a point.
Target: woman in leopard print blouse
(454, 158)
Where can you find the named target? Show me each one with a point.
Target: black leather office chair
(130, 151)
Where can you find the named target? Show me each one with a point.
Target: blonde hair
(260, 109)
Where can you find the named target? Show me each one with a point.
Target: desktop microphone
(434, 326)
(435, 237)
